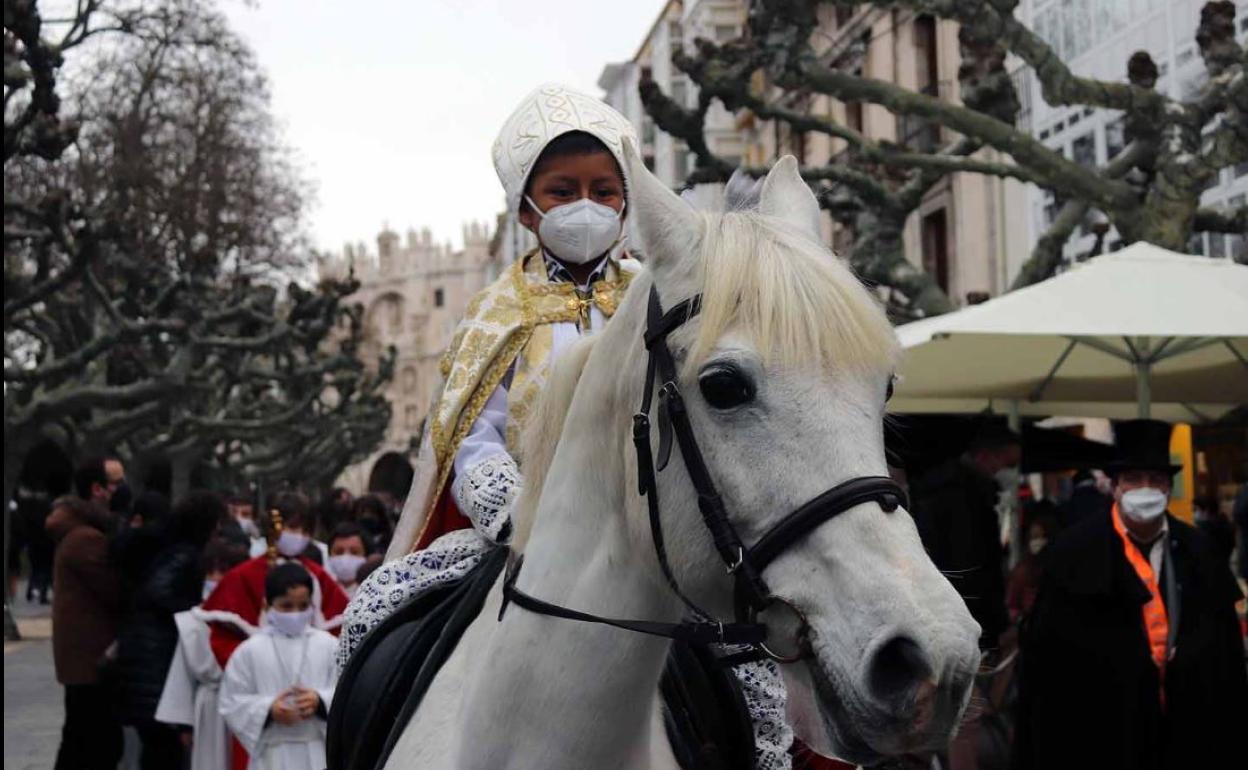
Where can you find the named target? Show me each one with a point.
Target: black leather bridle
(744, 563)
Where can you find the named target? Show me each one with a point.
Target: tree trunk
(180, 466)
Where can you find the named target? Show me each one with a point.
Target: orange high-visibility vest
(1156, 623)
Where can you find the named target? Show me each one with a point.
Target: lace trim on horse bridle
(745, 564)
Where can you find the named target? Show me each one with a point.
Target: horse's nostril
(898, 668)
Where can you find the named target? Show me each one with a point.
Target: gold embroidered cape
(509, 321)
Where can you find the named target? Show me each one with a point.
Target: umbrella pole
(1143, 380)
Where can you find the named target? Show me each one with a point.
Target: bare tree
(1150, 191)
(151, 234)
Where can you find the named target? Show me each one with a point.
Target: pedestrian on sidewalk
(1132, 657)
(84, 625)
(161, 564)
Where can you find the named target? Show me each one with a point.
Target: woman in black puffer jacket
(161, 565)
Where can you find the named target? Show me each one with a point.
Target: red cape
(241, 591)
(445, 517)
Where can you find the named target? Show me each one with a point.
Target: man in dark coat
(84, 624)
(955, 509)
(1132, 656)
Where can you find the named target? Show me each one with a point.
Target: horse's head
(785, 372)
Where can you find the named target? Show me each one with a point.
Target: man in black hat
(1132, 656)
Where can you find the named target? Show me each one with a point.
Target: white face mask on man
(578, 232)
(1143, 505)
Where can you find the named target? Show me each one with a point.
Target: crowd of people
(206, 625)
(1113, 642)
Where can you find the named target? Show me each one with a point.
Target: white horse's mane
(541, 434)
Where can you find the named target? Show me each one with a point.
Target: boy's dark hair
(284, 577)
(568, 145)
(90, 471)
(222, 555)
(153, 507)
(349, 529)
(295, 510)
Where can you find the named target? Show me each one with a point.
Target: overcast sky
(392, 105)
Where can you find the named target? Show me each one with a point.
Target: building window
(936, 248)
(1115, 138)
(844, 14)
(680, 91)
(853, 116)
(647, 130)
(1083, 150)
(925, 54)
(439, 298)
(725, 32)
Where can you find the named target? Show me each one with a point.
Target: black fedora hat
(1142, 445)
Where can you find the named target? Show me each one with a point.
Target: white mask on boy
(345, 567)
(290, 624)
(580, 231)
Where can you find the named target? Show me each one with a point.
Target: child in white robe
(278, 684)
(189, 698)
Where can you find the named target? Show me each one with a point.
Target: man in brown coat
(84, 617)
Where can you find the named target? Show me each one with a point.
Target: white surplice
(191, 689)
(263, 666)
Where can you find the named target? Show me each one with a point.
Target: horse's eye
(888, 394)
(726, 388)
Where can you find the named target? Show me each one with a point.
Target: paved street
(32, 698)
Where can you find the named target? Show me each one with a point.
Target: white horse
(785, 373)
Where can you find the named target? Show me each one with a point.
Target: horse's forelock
(797, 302)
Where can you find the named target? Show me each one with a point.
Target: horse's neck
(565, 693)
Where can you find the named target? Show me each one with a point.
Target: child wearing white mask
(348, 550)
(560, 160)
(278, 685)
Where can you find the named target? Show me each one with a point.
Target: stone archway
(391, 475)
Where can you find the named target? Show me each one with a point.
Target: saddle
(386, 678)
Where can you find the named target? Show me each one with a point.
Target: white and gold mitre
(550, 111)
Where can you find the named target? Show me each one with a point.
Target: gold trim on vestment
(509, 321)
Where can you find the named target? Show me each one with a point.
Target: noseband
(744, 563)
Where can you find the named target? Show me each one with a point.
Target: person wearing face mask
(1020, 590)
(348, 550)
(241, 590)
(277, 687)
(1132, 657)
(188, 700)
(560, 160)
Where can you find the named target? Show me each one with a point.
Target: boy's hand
(306, 701)
(284, 709)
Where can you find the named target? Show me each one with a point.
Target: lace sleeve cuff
(486, 493)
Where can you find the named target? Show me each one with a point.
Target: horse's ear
(786, 196)
(666, 225)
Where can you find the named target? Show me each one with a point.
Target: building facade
(414, 292)
(1095, 38)
(967, 231)
(677, 26)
